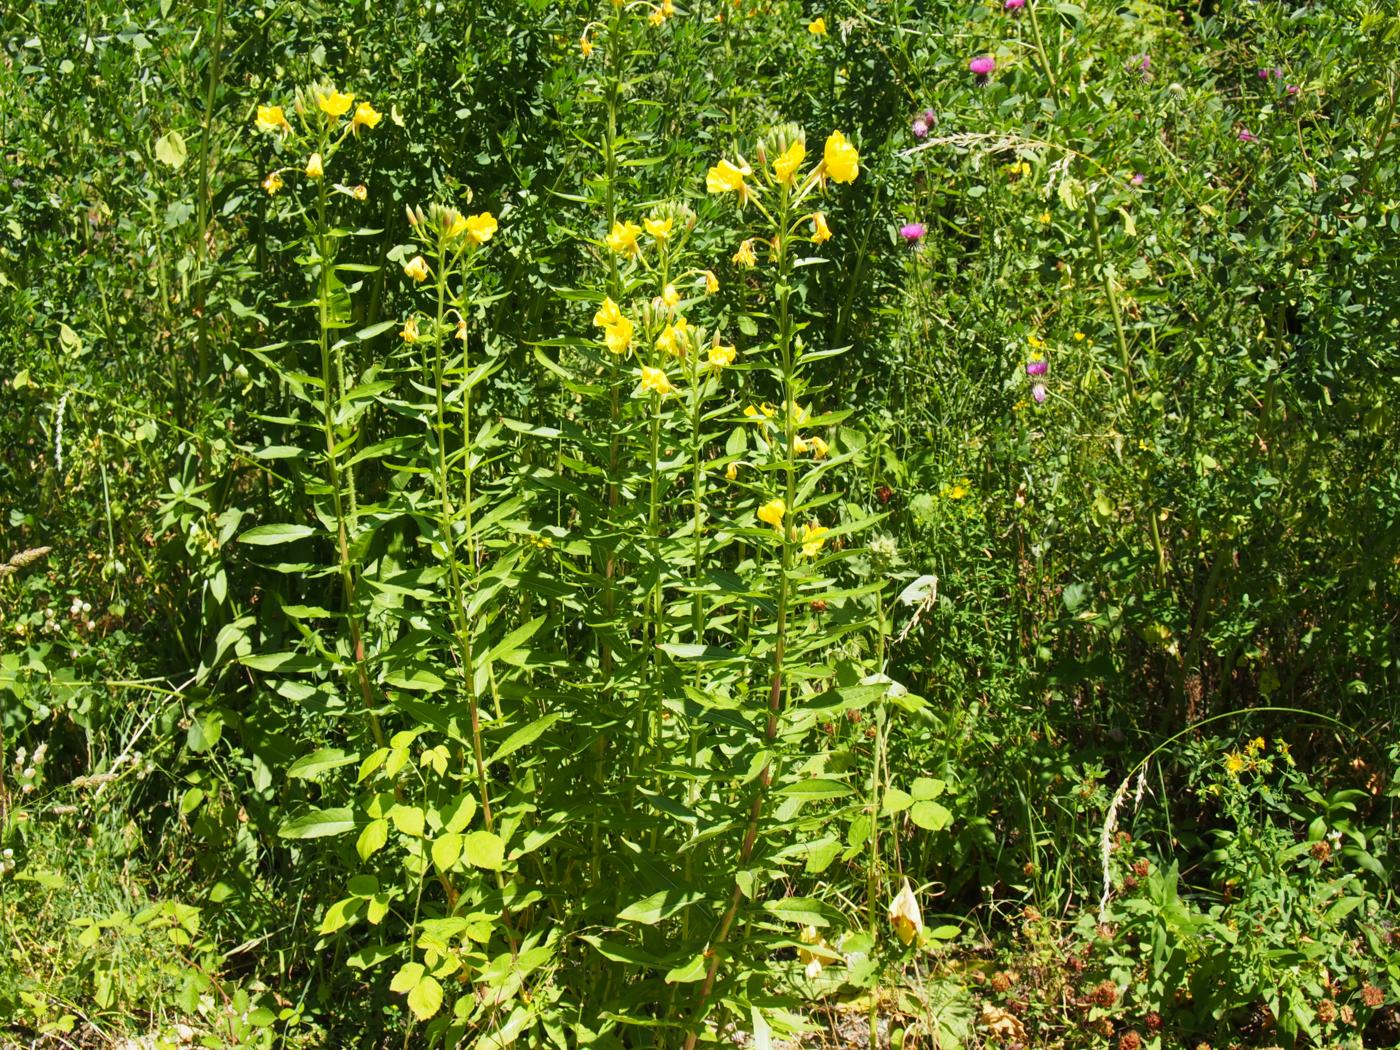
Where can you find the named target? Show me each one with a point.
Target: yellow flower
(732, 471)
(1235, 763)
(673, 337)
(1045, 218)
(745, 256)
(958, 489)
(711, 282)
(481, 228)
(655, 380)
(366, 116)
(658, 229)
(905, 916)
(618, 335)
(812, 958)
(799, 445)
(668, 8)
(410, 330)
(454, 223)
(1035, 342)
(272, 183)
(360, 192)
(271, 118)
(656, 17)
(820, 448)
(772, 512)
(607, 314)
(670, 296)
(334, 104)
(462, 331)
(799, 414)
(758, 413)
(623, 238)
(813, 537)
(417, 268)
(820, 230)
(1254, 747)
(1079, 337)
(840, 158)
(785, 167)
(721, 356)
(314, 167)
(817, 27)
(585, 45)
(725, 177)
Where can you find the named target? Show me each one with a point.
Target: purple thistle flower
(1246, 135)
(982, 65)
(1142, 63)
(1264, 74)
(919, 129)
(1292, 89)
(1038, 367)
(912, 232)
(1011, 5)
(1038, 392)
(930, 117)
(1138, 178)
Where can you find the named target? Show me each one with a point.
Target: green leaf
(407, 978)
(524, 737)
(484, 849)
(171, 150)
(694, 970)
(816, 788)
(372, 838)
(426, 998)
(309, 767)
(318, 824)
(446, 849)
(931, 816)
(272, 535)
(651, 910)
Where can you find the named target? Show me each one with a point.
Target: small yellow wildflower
(959, 489)
(1235, 763)
(461, 332)
(360, 192)
(658, 229)
(272, 183)
(607, 314)
(1045, 218)
(656, 17)
(481, 227)
(1079, 337)
(656, 380)
(314, 168)
(745, 255)
(820, 448)
(821, 232)
(673, 337)
(722, 356)
(618, 335)
(758, 413)
(416, 268)
(725, 177)
(410, 330)
(334, 104)
(272, 119)
(817, 26)
(1254, 747)
(772, 512)
(585, 45)
(905, 916)
(668, 8)
(711, 282)
(799, 445)
(670, 296)
(785, 167)
(840, 158)
(731, 472)
(623, 238)
(366, 116)
(1035, 342)
(813, 537)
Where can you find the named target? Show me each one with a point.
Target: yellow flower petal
(840, 158)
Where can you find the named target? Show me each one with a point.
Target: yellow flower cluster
(617, 329)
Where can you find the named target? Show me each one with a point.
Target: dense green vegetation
(734, 523)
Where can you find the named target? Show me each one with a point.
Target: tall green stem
(330, 386)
